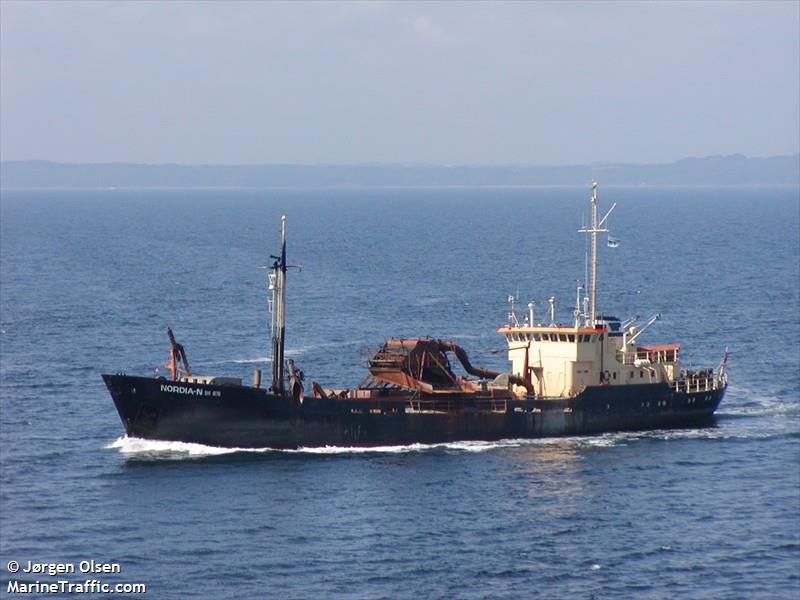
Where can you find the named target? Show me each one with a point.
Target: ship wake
(138, 447)
(157, 449)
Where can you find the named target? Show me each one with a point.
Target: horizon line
(405, 164)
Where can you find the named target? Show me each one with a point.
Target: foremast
(277, 283)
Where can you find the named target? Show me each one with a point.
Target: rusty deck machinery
(423, 365)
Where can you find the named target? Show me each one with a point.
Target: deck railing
(706, 383)
(654, 356)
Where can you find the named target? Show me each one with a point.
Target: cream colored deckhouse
(562, 361)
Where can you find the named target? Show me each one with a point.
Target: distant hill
(734, 169)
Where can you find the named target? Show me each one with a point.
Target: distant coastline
(733, 170)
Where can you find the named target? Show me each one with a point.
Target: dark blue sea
(90, 279)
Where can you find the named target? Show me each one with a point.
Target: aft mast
(595, 228)
(277, 283)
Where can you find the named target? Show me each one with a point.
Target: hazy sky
(445, 83)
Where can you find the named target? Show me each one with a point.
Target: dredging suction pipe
(462, 357)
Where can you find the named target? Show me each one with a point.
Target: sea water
(89, 279)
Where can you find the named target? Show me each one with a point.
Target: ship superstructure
(562, 361)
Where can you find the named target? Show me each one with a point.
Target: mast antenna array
(595, 228)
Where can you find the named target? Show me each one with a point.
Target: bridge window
(537, 337)
(571, 337)
(562, 337)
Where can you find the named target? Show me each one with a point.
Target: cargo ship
(585, 377)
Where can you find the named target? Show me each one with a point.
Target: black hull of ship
(243, 417)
